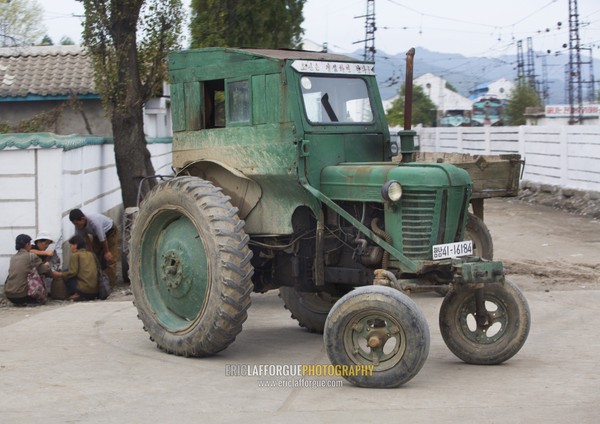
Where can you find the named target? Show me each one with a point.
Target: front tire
(503, 335)
(190, 267)
(380, 327)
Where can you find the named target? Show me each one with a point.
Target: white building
(446, 101)
(499, 89)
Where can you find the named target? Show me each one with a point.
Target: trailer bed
(492, 175)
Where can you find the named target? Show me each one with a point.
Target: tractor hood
(363, 181)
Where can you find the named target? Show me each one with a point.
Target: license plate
(452, 250)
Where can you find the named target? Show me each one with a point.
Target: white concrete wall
(41, 182)
(566, 156)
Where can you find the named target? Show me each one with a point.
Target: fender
(245, 193)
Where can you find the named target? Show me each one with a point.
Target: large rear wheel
(478, 232)
(190, 267)
(309, 309)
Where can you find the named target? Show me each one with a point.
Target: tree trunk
(131, 154)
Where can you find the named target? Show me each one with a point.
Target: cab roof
(276, 54)
(296, 54)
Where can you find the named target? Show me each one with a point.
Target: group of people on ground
(94, 249)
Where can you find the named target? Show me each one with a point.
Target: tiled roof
(45, 71)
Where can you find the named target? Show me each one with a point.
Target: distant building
(452, 108)
(554, 115)
(41, 80)
(57, 82)
(312, 46)
(499, 89)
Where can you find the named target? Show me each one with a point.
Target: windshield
(336, 100)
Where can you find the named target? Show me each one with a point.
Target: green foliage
(21, 22)
(66, 41)
(129, 41)
(42, 122)
(46, 41)
(423, 109)
(521, 97)
(5, 128)
(451, 87)
(247, 23)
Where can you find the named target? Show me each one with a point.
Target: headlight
(391, 191)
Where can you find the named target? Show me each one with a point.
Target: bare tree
(20, 22)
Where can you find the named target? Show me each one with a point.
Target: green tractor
(285, 180)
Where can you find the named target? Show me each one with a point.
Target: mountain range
(465, 73)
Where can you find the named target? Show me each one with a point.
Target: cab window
(340, 100)
(238, 101)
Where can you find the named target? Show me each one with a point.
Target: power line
(497, 28)
(462, 21)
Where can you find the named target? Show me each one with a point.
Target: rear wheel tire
(483, 246)
(478, 232)
(309, 309)
(190, 267)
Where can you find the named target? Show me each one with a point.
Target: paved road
(92, 363)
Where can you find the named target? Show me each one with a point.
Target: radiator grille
(418, 210)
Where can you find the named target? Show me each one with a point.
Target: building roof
(443, 98)
(42, 72)
(501, 89)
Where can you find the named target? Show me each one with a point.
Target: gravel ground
(586, 203)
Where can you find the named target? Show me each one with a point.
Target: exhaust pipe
(407, 136)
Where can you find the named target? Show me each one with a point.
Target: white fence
(44, 176)
(565, 156)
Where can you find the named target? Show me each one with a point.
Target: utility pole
(530, 67)
(545, 89)
(520, 63)
(591, 89)
(574, 82)
(370, 28)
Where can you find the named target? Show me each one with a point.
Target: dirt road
(544, 248)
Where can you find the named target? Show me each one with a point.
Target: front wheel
(190, 267)
(501, 333)
(380, 329)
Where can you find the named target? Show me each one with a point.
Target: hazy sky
(467, 27)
